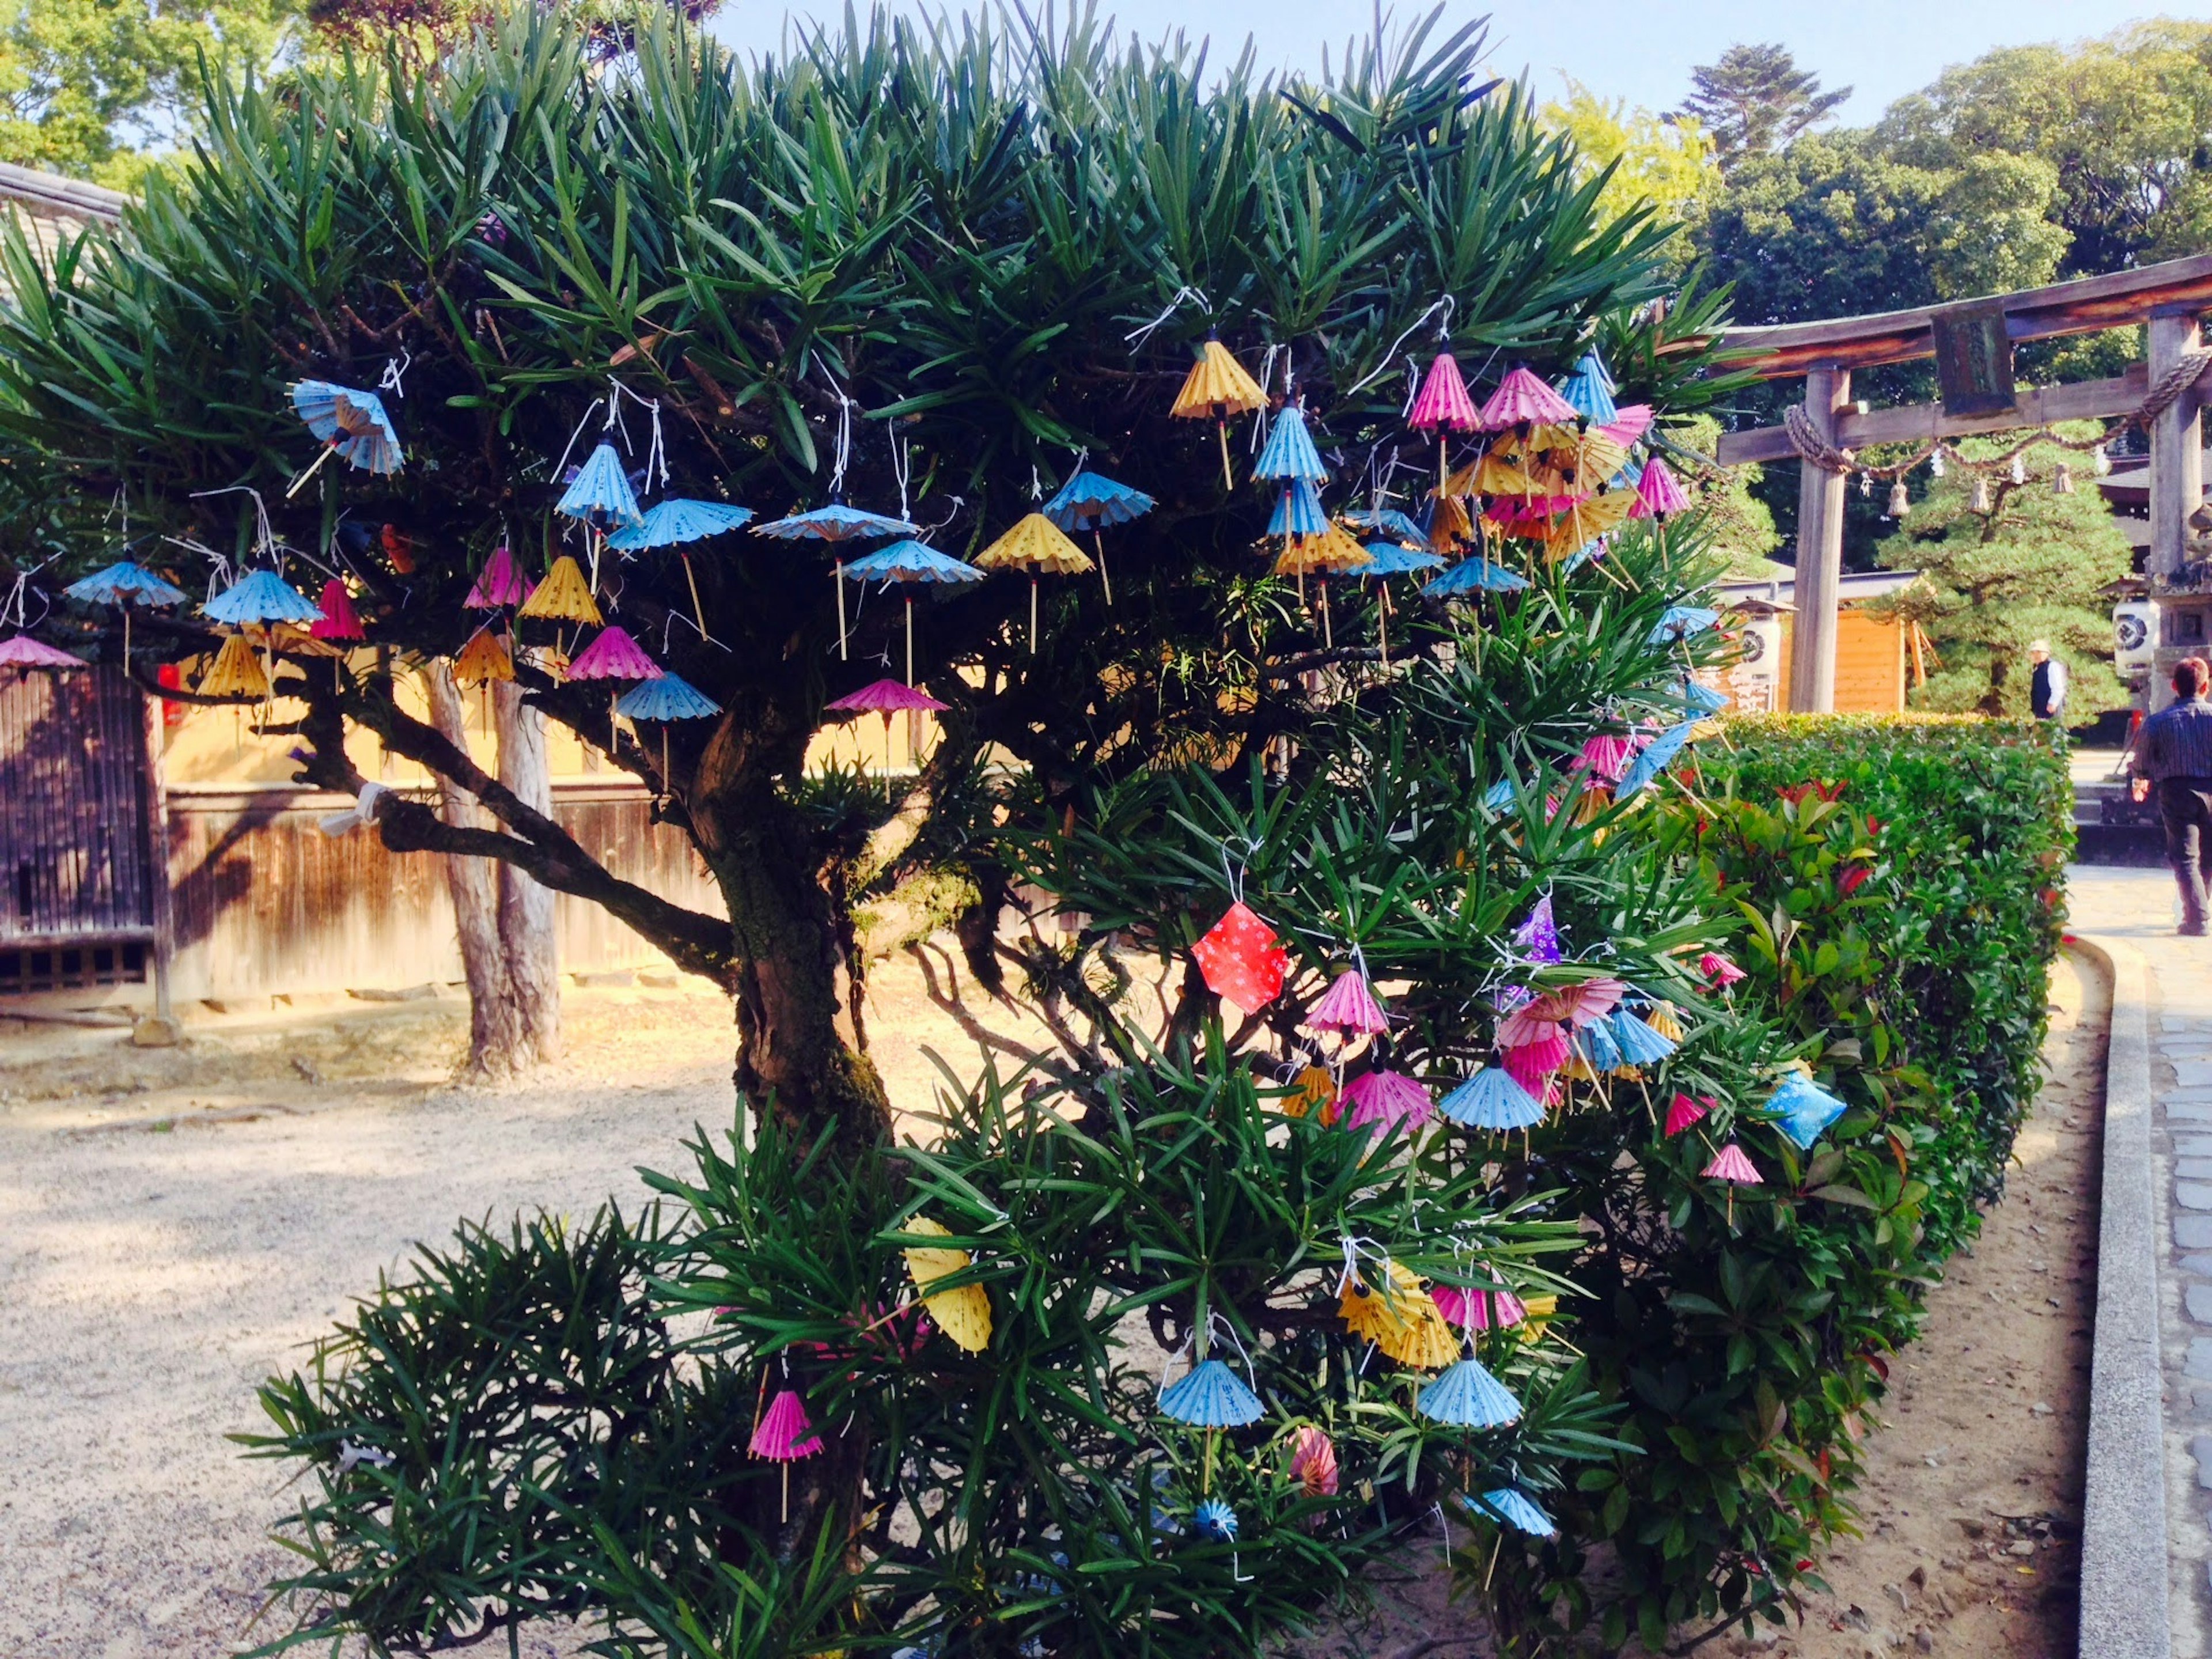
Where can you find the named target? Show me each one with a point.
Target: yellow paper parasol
(1597, 459)
(964, 1313)
(1315, 1091)
(1567, 533)
(563, 596)
(1401, 1319)
(1449, 525)
(235, 671)
(1217, 385)
(483, 661)
(1035, 544)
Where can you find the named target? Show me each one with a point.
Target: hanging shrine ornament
(962, 1312)
(351, 423)
(910, 565)
(499, 584)
(1218, 387)
(1242, 959)
(836, 524)
(677, 522)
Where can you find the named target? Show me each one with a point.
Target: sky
(1639, 50)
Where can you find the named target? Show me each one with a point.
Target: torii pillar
(1820, 551)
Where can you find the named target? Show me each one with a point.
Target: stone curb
(2124, 1602)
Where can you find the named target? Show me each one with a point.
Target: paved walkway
(2137, 907)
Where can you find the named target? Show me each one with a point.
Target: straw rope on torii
(1816, 451)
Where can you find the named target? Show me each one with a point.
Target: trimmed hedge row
(1897, 882)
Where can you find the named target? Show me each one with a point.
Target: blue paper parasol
(599, 494)
(668, 698)
(1638, 1043)
(1499, 795)
(1468, 1397)
(1289, 452)
(911, 565)
(1702, 698)
(1211, 1397)
(1091, 500)
(122, 583)
(675, 521)
(350, 421)
(263, 596)
(1492, 1099)
(1298, 512)
(1214, 1519)
(1595, 1041)
(836, 523)
(1474, 574)
(1590, 389)
(1386, 521)
(1391, 559)
(1654, 758)
(1803, 1109)
(1678, 621)
(1513, 1507)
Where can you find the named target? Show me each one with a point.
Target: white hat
(2043, 645)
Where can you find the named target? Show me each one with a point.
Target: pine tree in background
(2035, 564)
(1756, 100)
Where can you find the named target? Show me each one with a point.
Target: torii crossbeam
(2170, 297)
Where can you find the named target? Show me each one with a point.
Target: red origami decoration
(1242, 960)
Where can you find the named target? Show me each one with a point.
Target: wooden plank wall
(267, 904)
(72, 815)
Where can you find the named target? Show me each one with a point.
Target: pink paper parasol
(613, 656)
(784, 1436)
(24, 652)
(1349, 1006)
(1629, 422)
(1478, 1310)
(1313, 1462)
(1443, 402)
(1657, 494)
(1685, 1110)
(1522, 399)
(885, 697)
(1388, 1100)
(339, 621)
(500, 584)
(1717, 971)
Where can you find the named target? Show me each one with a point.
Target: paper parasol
(1349, 1007)
(1093, 501)
(1686, 1110)
(1313, 1462)
(1662, 1019)
(1289, 451)
(1469, 1310)
(1217, 385)
(1490, 1099)
(1655, 758)
(671, 697)
(885, 697)
(1474, 574)
(1386, 521)
(679, 520)
(1569, 532)
(1589, 390)
(1522, 399)
(1036, 544)
(1803, 1109)
(910, 563)
(350, 423)
(784, 1435)
(262, 596)
(1241, 959)
(1510, 1506)
(1678, 621)
(1314, 1090)
(1638, 1043)
(1466, 1396)
(499, 584)
(483, 659)
(1629, 423)
(1657, 494)
(1413, 1331)
(1367, 1311)
(1214, 1519)
(1532, 1064)
(1581, 1004)
(235, 671)
(835, 523)
(613, 656)
(1390, 559)
(1442, 403)
(122, 583)
(1594, 1047)
(338, 622)
(1211, 1396)
(1732, 1166)
(599, 494)
(1332, 551)
(1717, 971)
(964, 1312)
(1298, 512)
(23, 652)
(563, 596)
(1389, 1100)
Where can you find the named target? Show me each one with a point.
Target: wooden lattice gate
(78, 901)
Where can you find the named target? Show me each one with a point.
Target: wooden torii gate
(1972, 343)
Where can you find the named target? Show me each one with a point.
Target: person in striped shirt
(2173, 756)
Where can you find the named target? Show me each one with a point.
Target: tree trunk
(496, 1033)
(526, 905)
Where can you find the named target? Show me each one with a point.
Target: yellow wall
(1870, 671)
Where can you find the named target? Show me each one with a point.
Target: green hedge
(1897, 882)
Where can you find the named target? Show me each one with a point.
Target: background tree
(1756, 100)
(2034, 565)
